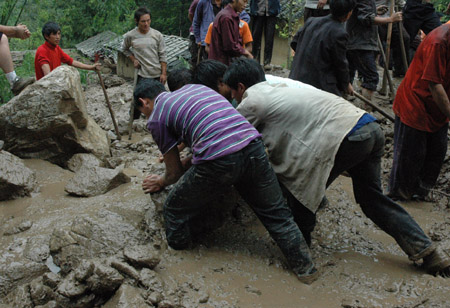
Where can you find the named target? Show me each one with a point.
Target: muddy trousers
(418, 158)
(250, 172)
(360, 155)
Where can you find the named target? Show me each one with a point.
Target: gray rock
(111, 81)
(151, 281)
(88, 182)
(20, 297)
(17, 273)
(127, 297)
(40, 293)
(155, 298)
(166, 304)
(126, 269)
(84, 270)
(84, 160)
(51, 280)
(106, 280)
(70, 287)
(142, 255)
(23, 226)
(50, 304)
(49, 120)
(16, 180)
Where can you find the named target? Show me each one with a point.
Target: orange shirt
(244, 31)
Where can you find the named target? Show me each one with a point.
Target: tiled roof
(108, 43)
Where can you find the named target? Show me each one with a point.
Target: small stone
(142, 255)
(203, 297)
(70, 287)
(51, 279)
(84, 271)
(253, 290)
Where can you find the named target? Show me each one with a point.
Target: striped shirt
(202, 119)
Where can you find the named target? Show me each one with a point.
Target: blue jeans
(360, 155)
(250, 172)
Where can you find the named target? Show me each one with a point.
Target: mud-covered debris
(84, 270)
(105, 280)
(203, 297)
(155, 298)
(51, 280)
(127, 297)
(142, 256)
(20, 297)
(40, 293)
(252, 289)
(94, 181)
(167, 304)
(125, 269)
(23, 226)
(16, 180)
(70, 287)
(151, 280)
(50, 304)
(83, 160)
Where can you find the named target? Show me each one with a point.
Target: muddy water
(239, 266)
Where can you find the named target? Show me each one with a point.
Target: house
(109, 44)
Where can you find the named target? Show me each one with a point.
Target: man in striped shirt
(227, 150)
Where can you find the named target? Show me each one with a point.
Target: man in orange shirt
(244, 32)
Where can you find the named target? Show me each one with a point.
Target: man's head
(238, 5)
(51, 33)
(210, 73)
(145, 93)
(241, 75)
(178, 78)
(342, 9)
(143, 18)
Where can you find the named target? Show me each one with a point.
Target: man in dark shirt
(226, 42)
(320, 50)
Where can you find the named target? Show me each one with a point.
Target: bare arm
(163, 76)
(440, 97)
(174, 170)
(45, 69)
(95, 66)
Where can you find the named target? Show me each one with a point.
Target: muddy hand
(152, 183)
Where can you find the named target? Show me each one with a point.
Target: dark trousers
(360, 155)
(418, 158)
(193, 49)
(251, 174)
(266, 23)
(363, 61)
(419, 16)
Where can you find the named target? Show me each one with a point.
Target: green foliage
(441, 6)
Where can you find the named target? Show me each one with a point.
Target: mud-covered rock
(85, 160)
(125, 269)
(105, 280)
(111, 81)
(84, 270)
(40, 293)
(151, 280)
(20, 297)
(50, 304)
(16, 180)
(18, 272)
(127, 297)
(49, 120)
(51, 280)
(93, 181)
(70, 287)
(142, 256)
(23, 226)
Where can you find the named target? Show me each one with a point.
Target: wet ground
(238, 265)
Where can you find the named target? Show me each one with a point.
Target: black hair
(50, 28)
(141, 12)
(245, 71)
(340, 8)
(209, 73)
(178, 78)
(146, 88)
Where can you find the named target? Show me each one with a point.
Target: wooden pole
(365, 100)
(386, 68)
(111, 111)
(130, 121)
(402, 46)
(388, 48)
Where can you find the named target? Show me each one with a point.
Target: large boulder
(49, 120)
(16, 179)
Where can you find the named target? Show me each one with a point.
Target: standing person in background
(50, 55)
(193, 47)
(422, 110)
(226, 42)
(6, 64)
(320, 50)
(316, 8)
(419, 15)
(204, 15)
(264, 14)
(362, 45)
(146, 48)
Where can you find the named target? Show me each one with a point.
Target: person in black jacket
(320, 50)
